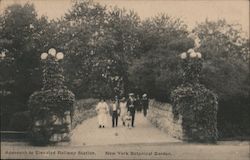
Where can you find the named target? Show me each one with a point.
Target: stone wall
(161, 116)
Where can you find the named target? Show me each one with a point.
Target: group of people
(123, 108)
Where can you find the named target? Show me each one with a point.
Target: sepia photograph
(125, 79)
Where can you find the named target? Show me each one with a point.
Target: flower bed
(161, 116)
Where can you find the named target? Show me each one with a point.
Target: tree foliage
(226, 55)
(112, 51)
(104, 40)
(226, 72)
(157, 71)
(19, 26)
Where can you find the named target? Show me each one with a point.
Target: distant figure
(123, 110)
(115, 111)
(138, 104)
(102, 111)
(145, 102)
(131, 107)
(128, 119)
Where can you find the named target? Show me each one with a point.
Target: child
(128, 119)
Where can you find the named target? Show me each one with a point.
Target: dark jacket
(145, 102)
(131, 105)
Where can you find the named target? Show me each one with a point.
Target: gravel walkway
(88, 133)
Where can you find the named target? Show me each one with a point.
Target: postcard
(124, 79)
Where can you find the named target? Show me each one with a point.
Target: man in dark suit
(131, 106)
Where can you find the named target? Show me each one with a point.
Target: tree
(6, 81)
(157, 71)
(226, 72)
(99, 44)
(17, 27)
(80, 33)
(123, 28)
(226, 55)
(27, 36)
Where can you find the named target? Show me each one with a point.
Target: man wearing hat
(115, 111)
(145, 101)
(131, 107)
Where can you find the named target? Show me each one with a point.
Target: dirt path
(88, 133)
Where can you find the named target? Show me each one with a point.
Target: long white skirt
(102, 119)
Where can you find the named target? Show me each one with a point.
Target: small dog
(128, 120)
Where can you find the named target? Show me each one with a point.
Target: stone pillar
(197, 104)
(51, 107)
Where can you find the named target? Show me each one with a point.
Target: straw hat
(131, 94)
(123, 99)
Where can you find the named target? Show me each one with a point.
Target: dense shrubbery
(226, 72)
(20, 121)
(43, 106)
(233, 118)
(198, 108)
(56, 100)
(85, 104)
(83, 109)
(160, 105)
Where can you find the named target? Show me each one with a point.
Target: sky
(190, 11)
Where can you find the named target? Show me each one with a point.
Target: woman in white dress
(123, 110)
(102, 110)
